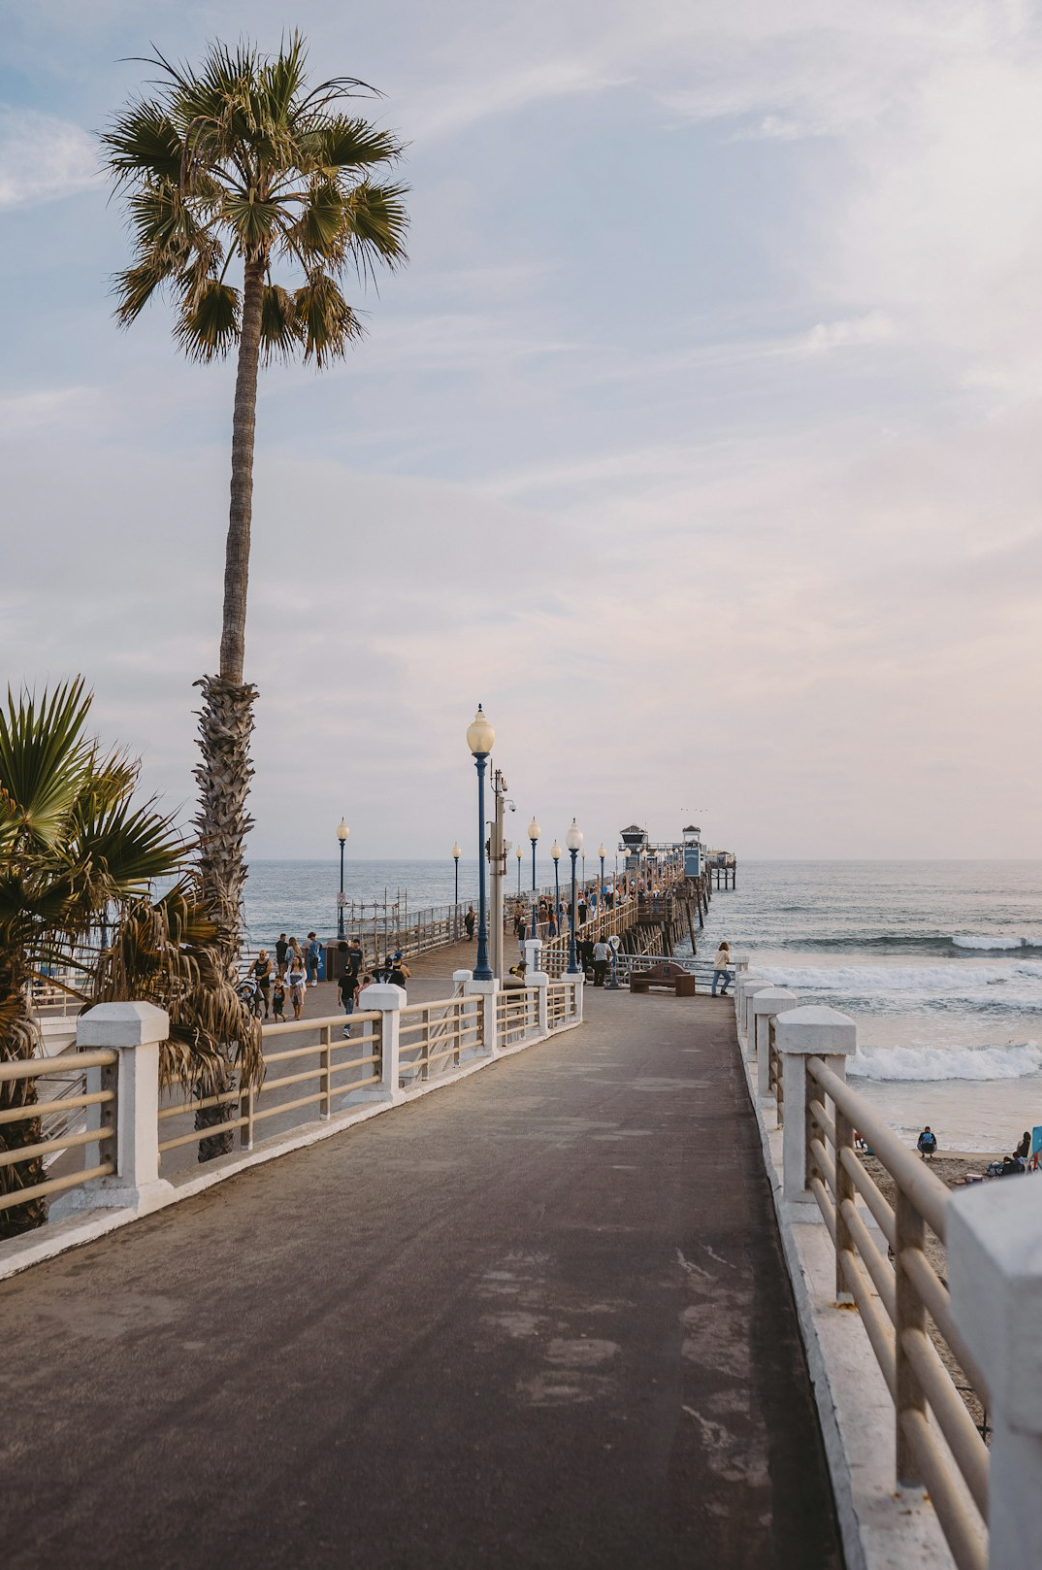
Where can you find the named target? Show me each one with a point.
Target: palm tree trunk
(226, 719)
(18, 1040)
(240, 515)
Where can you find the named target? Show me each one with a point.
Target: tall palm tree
(236, 170)
(72, 839)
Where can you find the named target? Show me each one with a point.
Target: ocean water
(298, 896)
(940, 964)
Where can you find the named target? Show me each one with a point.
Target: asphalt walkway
(540, 1318)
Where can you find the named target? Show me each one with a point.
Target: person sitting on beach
(721, 971)
(1023, 1150)
(926, 1144)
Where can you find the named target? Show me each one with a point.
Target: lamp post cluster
(480, 738)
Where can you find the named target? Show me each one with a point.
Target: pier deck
(538, 1319)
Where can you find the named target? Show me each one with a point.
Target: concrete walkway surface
(540, 1318)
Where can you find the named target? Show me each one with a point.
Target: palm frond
(209, 323)
(143, 140)
(328, 324)
(322, 229)
(378, 223)
(43, 759)
(340, 142)
(281, 331)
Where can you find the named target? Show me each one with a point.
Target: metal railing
(322, 1063)
(517, 1014)
(433, 1037)
(102, 1097)
(908, 1294)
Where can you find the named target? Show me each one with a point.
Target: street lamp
(574, 840)
(519, 853)
(533, 834)
(600, 892)
(555, 853)
(456, 854)
(342, 831)
(480, 737)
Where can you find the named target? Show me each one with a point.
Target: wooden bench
(666, 975)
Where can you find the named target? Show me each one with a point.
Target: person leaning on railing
(721, 968)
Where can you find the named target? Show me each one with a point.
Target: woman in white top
(720, 968)
(298, 985)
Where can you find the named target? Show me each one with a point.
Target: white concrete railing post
(135, 1031)
(540, 979)
(486, 991)
(578, 989)
(388, 1000)
(741, 986)
(767, 1003)
(752, 988)
(533, 956)
(801, 1033)
(995, 1275)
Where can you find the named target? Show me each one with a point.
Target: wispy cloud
(42, 158)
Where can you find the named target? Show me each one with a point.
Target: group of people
(294, 967)
(270, 983)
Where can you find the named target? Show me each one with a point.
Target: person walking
(281, 950)
(468, 922)
(262, 977)
(348, 986)
(314, 955)
(298, 983)
(721, 968)
(600, 962)
(354, 959)
(278, 1000)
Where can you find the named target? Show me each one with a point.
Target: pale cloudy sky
(700, 440)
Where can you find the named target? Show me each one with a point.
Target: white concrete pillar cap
(122, 1025)
(766, 1000)
(817, 1030)
(381, 995)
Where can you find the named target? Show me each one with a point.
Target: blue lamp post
(533, 834)
(341, 833)
(519, 853)
(574, 840)
(555, 854)
(600, 892)
(480, 737)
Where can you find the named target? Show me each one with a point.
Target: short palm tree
(233, 175)
(72, 839)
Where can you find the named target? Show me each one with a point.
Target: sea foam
(972, 941)
(934, 1063)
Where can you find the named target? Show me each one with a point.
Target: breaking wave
(973, 942)
(934, 1063)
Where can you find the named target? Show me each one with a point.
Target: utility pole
(499, 849)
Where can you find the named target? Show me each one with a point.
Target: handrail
(907, 1289)
(66, 1063)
